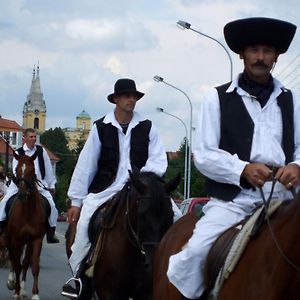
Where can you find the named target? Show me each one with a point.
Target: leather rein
(266, 204)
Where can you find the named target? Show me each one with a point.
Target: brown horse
(123, 268)
(269, 269)
(26, 226)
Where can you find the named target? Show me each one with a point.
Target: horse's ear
(16, 155)
(34, 156)
(173, 183)
(137, 183)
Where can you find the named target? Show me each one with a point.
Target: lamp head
(158, 78)
(183, 24)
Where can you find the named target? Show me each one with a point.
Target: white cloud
(90, 29)
(115, 65)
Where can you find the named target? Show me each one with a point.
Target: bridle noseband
(29, 183)
(132, 236)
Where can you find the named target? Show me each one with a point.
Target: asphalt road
(53, 274)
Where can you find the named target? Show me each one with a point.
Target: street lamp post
(160, 79)
(186, 25)
(186, 149)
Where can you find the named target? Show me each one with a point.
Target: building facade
(81, 132)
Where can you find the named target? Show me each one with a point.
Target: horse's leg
(25, 266)
(15, 252)
(11, 277)
(35, 266)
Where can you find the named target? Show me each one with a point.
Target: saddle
(228, 248)
(102, 218)
(13, 199)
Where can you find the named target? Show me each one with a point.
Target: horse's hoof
(10, 284)
(23, 292)
(10, 281)
(35, 297)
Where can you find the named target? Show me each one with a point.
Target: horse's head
(154, 208)
(25, 177)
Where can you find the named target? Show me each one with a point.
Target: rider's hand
(73, 214)
(289, 175)
(256, 174)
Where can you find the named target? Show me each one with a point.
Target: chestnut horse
(26, 226)
(269, 269)
(123, 268)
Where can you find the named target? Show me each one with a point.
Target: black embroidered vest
(237, 133)
(40, 158)
(108, 161)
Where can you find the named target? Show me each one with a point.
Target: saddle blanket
(238, 247)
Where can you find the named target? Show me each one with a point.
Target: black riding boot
(203, 297)
(184, 298)
(51, 237)
(72, 288)
(2, 223)
(82, 288)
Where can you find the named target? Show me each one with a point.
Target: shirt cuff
(239, 168)
(77, 203)
(296, 162)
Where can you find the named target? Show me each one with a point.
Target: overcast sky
(83, 47)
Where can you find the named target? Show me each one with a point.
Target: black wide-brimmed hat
(124, 86)
(254, 31)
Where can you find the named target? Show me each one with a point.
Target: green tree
(177, 165)
(56, 142)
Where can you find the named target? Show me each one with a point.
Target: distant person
(45, 177)
(120, 141)
(3, 186)
(248, 131)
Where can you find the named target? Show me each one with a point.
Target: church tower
(34, 111)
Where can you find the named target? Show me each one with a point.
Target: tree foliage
(177, 165)
(56, 142)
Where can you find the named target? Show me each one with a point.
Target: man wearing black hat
(122, 140)
(248, 131)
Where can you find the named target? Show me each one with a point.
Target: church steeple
(34, 111)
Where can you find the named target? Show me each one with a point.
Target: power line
(283, 70)
(296, 77)
(291, 73)
(295, 85)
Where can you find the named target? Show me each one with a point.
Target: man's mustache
(260, 64)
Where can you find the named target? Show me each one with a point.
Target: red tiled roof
(9, 125)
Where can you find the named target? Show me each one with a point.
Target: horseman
(248, 131)
(45, 178)
(120, 141)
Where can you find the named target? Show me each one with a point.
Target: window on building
(36, 123)
(14, 138)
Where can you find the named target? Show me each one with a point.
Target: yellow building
(34, 110)
(81, 132)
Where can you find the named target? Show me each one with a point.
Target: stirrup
(72, 293)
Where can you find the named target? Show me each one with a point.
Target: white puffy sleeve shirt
(224, 167)
(87, 164)
(49, 180)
